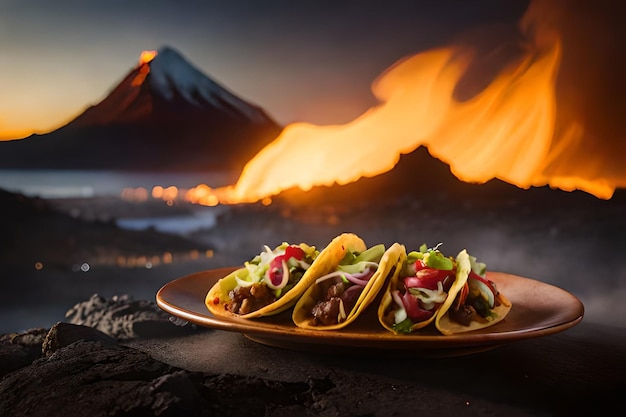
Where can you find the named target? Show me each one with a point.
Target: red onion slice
(349, 277)
(284, 278)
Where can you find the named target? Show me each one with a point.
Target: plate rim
(263, 331)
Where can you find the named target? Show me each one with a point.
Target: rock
(64, 334)
(20, 349)
(123, 318)
(96, 379)
(85, 372)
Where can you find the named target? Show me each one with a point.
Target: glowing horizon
(50, 74)
(20, 131)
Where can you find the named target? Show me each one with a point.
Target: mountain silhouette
(165, 114)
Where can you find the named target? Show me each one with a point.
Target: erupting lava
(146, 57)
(508, 130)
(144, 69)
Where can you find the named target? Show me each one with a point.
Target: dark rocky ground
(77, 370)
(119, 357)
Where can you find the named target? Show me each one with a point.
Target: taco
(474, 302)
(274, 280)
(337, 298)
(414, 297)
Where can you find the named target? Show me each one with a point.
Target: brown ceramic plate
(539, 309)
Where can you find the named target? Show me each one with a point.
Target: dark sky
(301, 60)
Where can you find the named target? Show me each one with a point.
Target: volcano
(165, 114)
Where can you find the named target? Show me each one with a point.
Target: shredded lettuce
(479, 268)
(430, 297)
(354, 262)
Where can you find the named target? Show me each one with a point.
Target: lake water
(59, 184)
(85, 184)
(203, 218)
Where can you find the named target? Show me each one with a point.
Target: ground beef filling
(245, 300)
(326, 312)
(464, 315)
(475, 309)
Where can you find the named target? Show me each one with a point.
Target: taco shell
(449, 327)
(386, 304)
(388, 265)
(327, 260)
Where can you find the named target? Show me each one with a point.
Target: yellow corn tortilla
(388, 265)
(326, 261)
(386, 305)
(449, 327)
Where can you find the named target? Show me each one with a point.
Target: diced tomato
(293, 251)
(426, 277)
(419, 264)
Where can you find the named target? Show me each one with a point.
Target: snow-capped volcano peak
(171, 74)
(172, 77)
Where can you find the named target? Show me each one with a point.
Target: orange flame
(503, 132)
(508, 130)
